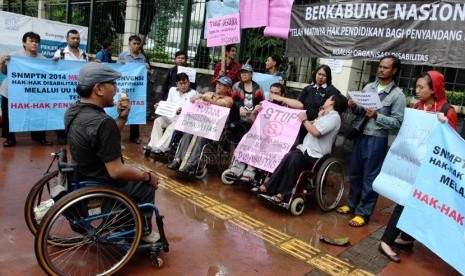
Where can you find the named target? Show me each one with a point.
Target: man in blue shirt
(134, 54)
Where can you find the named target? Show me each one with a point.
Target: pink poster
(205, 120)
(279, 19)
(223, 30)
(270, 138)
(254, 13)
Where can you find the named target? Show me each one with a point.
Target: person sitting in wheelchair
(94, 140)
(246, 172)
(322, 132)
(196, 143)
(179, 96)
(247, 94)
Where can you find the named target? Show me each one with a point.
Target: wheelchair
(325, 180)
(219, 153)
(87, 227)
(169, 154)
(228, 178)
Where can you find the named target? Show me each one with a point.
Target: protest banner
(204, 120)
(272, 135)
(407, 152)
(223, 30)
(167, 109)
(216, 8)
(417, 32)
(42, 90)
(265, 81)
(191, 73)
(52, 33)
(435, 209)
(366, 100)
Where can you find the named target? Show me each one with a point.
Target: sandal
(259, 189)
(278, 198)
(357, 221)
(345, 209)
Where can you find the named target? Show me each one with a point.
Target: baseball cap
(247, 67)
(225, 80)
(94, 72)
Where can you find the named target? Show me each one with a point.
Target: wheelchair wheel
(226, 150)
(37, 199)
(107, 223)
(297, 206)
(201, 172)
(329, 184)
(226, 177)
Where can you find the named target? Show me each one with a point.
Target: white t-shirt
(328, 125)
(69, 55)
(180, 100)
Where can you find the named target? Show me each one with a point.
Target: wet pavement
(215, 229)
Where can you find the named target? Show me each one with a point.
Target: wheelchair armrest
(63, 165)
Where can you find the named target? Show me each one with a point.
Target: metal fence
(170, 25)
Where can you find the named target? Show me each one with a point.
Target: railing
(170, 25)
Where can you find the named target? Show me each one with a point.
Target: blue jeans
(367, 157)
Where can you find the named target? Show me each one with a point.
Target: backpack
(444, 110)
(62, 54)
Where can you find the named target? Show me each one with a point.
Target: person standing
(31, 43)
(231, 69)
(314, 95)
(70, 52)
(180, 59)
(95, 140)
(370, 148)
(431, 94)
(134, 54)
(272, 66)
(104, 55)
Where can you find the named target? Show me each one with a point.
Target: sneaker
(153, 237)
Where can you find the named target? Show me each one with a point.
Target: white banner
(52, 33)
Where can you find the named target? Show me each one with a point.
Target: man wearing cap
(95, 140)
(183, 157)
(246, 95)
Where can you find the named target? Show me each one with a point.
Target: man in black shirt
(94, 139)
(180, 59)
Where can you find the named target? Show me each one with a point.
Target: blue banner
(434, 212)
(41, 90)
(265, 81)
(407, 152)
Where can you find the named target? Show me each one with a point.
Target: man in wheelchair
(322, 133)
(189, 158)
(94, 139)
(179, 96)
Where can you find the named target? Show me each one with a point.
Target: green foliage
(159, 56)
(257, 48)
(456, 97)
(165, 10)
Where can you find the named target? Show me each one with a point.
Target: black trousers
(286, 174)
(35, 135)
(134, 132)
(392, 232)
